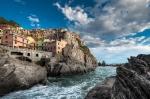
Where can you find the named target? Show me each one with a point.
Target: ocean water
(67, 87)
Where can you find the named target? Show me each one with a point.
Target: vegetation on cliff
(8, 22)
(85, 50)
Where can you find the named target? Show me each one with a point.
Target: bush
(43, 61)
(24, 59)
(11, 22)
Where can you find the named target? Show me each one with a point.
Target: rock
(72, 61)
(132, 81)
(102, 91)
(17, 75)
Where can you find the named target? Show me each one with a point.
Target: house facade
(55, 47)
(14, 40)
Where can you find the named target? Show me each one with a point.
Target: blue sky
(113, 29)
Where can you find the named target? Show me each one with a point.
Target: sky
(114, 30)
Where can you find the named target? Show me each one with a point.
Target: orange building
(12, 39)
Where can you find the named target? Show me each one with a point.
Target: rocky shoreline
(131, 82)
(16, 74)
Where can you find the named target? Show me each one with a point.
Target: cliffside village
(50, 40)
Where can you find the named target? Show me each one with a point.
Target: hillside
(8, 22)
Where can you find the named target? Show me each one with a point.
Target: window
(15, 42)
(6, 42)
(28, 54)
(37, 55)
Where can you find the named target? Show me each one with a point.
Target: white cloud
(111, 32)
(116, 18)
(34, 20)
(118, 50)
(119, 54)
(93, 42)
(77, 14)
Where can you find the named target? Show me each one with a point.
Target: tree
(99, 64)
(8, 22)
(103, 63)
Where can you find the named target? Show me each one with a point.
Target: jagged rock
(72, 61)
(102, 91)
(16, 74)
(132, 80)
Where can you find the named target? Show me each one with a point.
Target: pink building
(5, 26)
(55, 47)
(12, 39)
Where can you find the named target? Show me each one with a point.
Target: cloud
(34, 20)
(77, 14)
(93, 42)
(112, 28)
(119, 54)
(20, 1)
(118, 50)
(116, 18)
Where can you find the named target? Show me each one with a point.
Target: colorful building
(55, 47)
(13, 39)
(52, 40)
(1, 34)
(5, 26)
(31, 43)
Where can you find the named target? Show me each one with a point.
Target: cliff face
(132, 81)
(74, 59)
(16, 74)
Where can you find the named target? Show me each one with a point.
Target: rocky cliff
(75, 58)
(132, 81)
(16, 74)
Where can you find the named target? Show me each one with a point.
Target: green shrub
(43, 61)
(11, 22)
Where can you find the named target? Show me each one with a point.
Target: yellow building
(1, 34)
(31, 43)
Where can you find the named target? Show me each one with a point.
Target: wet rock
(73, 60)
(132, 81)
(17, 75)
(102, 91)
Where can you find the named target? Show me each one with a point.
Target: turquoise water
(68, 87)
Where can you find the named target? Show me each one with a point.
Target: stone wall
(34, 55)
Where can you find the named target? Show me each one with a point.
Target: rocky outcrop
(73, 60)
(102, 91)
(132, 80)
(16, 74)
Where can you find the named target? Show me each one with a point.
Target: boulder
(73, 60)
(131, 82)
(17, 75)
(102, 90)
